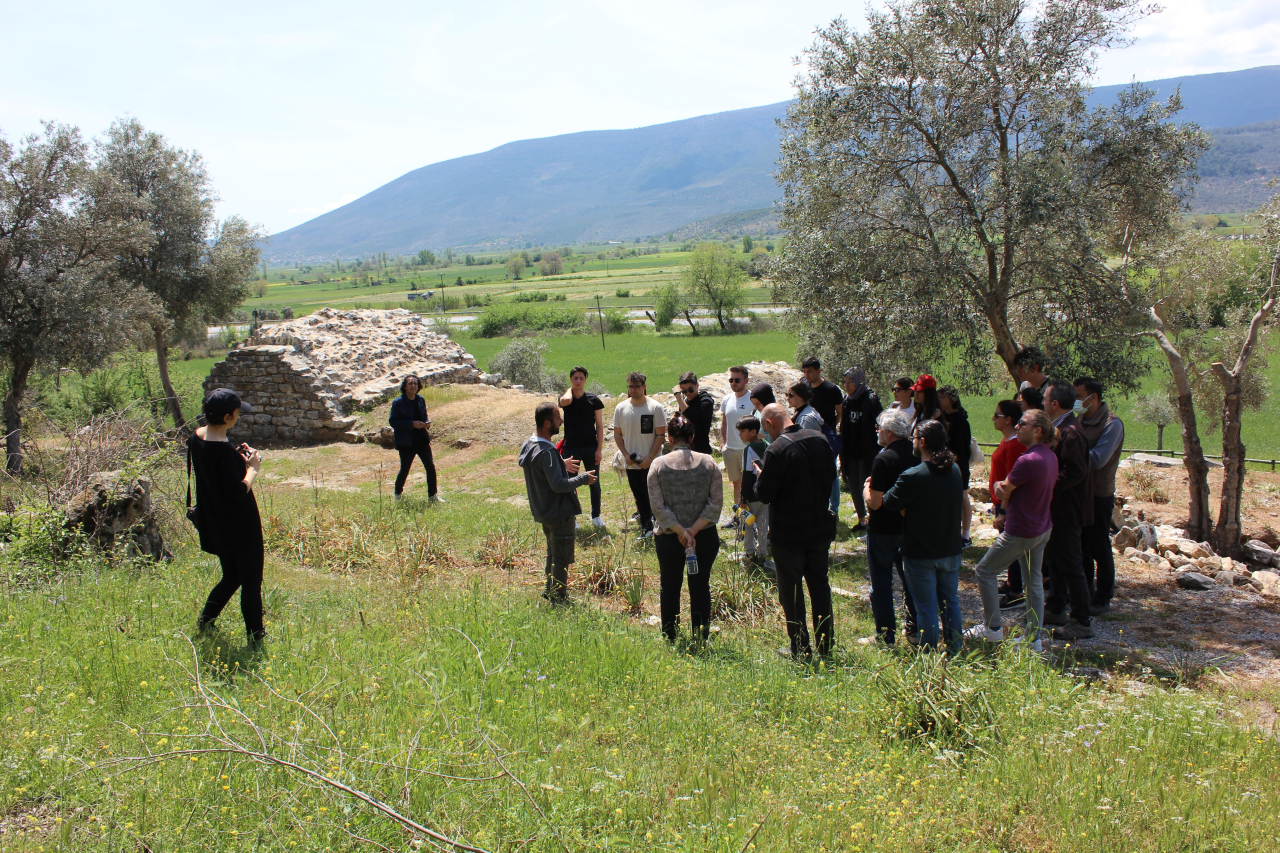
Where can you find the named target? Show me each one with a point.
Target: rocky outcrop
(115, 512)
(305, 377)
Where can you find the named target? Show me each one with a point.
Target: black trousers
(638, 480)
(423, 452)
(560, 541)
(241, 570)
(855, 472)
(1099, 561)
(797, 568)
(1066, 568)
(587, 456)
(672, 573)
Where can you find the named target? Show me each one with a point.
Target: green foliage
(974, 206)
(746, 245)
(520, 363)
(713, 277)
(530, 296)
(668, 304)
(504, 319)
(425, 258)
(622, 293)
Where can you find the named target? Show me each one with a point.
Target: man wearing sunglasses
(733, 407)
(700, 408)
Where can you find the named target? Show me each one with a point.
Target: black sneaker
(1003, 588)
(1100, 608)
(1056, 618)
(1012, 601)
(1073, 630)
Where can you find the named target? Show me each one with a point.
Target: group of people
(907, 468)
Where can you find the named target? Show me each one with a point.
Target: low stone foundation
(304, 376)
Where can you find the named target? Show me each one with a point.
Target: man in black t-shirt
(884, 527)
(584, 432)
(827, 401)
(700, 408)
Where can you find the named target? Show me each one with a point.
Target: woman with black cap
(226, 512)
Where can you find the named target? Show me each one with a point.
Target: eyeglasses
(688, 390)
(733, 380)
(997, 416)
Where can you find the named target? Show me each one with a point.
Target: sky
(298, 108)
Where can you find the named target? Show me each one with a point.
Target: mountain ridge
(627, 183)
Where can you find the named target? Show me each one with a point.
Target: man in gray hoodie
(551, 483)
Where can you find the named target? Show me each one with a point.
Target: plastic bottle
(690, 561)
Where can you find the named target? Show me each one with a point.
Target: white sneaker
(1036, 646)
(984, 633)
(436, 499)
(597, 521)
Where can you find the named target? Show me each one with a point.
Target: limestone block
(1194, 580)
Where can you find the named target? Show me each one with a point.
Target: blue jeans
(935, 585)
(884, 554)
(834, 503)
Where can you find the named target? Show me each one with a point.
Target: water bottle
(690, 561)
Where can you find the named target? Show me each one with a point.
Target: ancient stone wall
(304, 377)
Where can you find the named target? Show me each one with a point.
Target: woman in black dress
(227, 512)
(959, 436)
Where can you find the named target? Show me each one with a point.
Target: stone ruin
(304, 377)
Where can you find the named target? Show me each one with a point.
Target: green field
(661, 357)
(584, 278)
(412, 667)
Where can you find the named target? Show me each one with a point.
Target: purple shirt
(1027, 510)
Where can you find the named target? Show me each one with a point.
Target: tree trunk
(1226, 535)
(171, 397)
(1159, 436)
(13, 414)
(1199, 520)
(690, 321)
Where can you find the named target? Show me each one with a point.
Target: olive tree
(948, 192)
(713, 276)
(62, 224)
(196, 267)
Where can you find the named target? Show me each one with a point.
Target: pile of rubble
(1194, 565)
(305, 376)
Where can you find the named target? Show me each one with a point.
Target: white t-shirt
(733, 407)
(910, 411)
(638, 424)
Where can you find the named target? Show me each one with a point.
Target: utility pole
(600, 312)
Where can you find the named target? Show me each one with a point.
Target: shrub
(504, 319)
(520, 363)
(286, 312)
(473, 300)
(260, 288)
(530, 296)
(616, 321)
(622, 293)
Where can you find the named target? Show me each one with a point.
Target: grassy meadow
(414, 681)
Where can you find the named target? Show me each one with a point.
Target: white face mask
(1078, 408)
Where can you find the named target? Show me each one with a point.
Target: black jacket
(795, 480)
(1073, 492)
(403, 413)
(701, 412)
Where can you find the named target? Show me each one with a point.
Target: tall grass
(389, 702)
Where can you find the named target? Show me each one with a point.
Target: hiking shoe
(1013, 600)
(646, 536)
(985, 633)
(1003, 588)
(1100, 609)
(915, 637)
(435, 499)
(1073, 630)
(771, 567)
(597, 521)
(1056, 617)
(397, 497)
